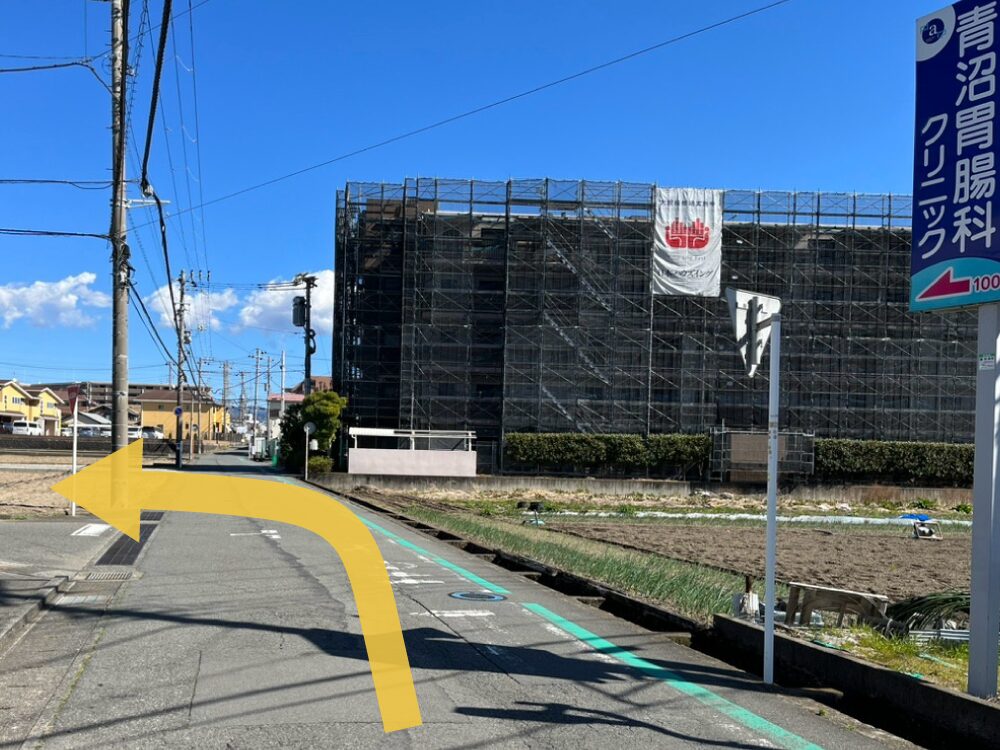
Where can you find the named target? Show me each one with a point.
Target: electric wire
(154, 97)
(492, 105)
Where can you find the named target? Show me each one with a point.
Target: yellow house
(39, 405)
(43, 407)
(14, 401)
(158, 404)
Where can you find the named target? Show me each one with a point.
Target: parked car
(88, 432)
(152, 433)
(6, 428)
(134, 433)
(66, 432)
(24, 427)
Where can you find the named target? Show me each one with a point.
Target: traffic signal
(299, 311)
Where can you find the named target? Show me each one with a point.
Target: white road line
(91, 529)
(412, 581)
(454, 613)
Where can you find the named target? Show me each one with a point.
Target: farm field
(876, 559)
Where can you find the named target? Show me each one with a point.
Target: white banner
(687, 242)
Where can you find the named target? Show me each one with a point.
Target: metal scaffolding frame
(526, 305)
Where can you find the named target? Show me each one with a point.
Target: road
(238, 633)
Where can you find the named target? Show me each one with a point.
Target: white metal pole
(76, 418)
(307, 458)
(772, 500)
(984, 617)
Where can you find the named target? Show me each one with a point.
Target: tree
(323, 409)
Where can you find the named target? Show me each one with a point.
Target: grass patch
(690, 589)
(941, 662)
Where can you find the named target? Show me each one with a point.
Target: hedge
(837, 460)
(840, 460)
(627, 454)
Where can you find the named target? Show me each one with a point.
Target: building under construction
(526, 306)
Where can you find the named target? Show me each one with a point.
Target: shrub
(320, 465)
(841, 460)
(964, 508)
(629, 454)
(925, 503)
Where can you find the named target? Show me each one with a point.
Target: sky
(809, 95)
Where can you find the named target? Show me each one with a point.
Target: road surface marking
(91, 529)
(747, 718)
(431, 557)
(454, 613)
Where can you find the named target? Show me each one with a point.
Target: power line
(154, 97)
(81, 63)
(74, 368)
(491, 105)
(82, 184)
(151, 328)
(49, 233)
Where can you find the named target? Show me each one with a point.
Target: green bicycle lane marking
(700, 693)
(703, 695)
(467, 574)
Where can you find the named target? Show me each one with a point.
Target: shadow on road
(434, 649)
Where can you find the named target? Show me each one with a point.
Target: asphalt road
(239, 633)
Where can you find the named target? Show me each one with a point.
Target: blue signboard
(955, 259)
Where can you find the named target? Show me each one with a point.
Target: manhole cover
(477, 596)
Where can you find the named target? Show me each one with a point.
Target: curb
(44, 596)
(862, 695)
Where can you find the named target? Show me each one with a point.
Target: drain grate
(152, 515)
(124, 550)
(109, 575)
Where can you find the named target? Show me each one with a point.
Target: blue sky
(811, 95)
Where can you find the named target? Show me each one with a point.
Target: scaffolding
(526, 305)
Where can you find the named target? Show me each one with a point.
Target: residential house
(32, 403)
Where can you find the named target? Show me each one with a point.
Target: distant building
(320, 383)
(33, 403)
(274, 408)
(152, 405)
(527, 306)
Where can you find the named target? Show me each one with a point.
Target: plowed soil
(890, 563)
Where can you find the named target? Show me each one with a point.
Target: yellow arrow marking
(116, 490)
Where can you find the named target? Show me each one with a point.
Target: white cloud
(53, 303)
(201, 307)
(273, 309)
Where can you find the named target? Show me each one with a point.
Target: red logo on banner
(691, 236)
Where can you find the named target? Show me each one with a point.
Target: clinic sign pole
(955, 257)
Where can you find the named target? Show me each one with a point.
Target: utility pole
(201, 396)
(302, 316)
(256, 381)
(181, 335)
(282, 412)
(120, 272)
(225, 396)
(243, 397)
(267, 400)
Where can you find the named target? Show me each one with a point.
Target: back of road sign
(751, 314)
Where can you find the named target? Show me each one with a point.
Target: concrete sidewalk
(39, 558)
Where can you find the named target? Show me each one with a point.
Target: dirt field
(888, 563)
(27, 493)
(879, 560)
